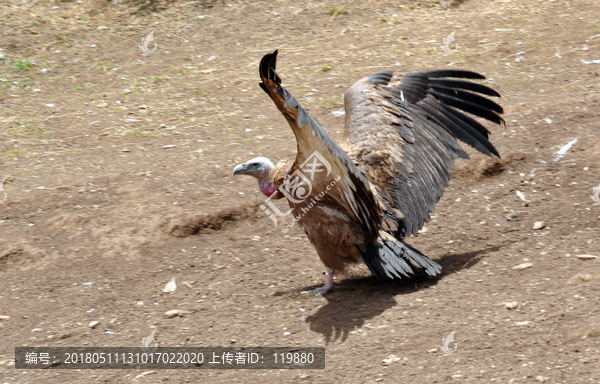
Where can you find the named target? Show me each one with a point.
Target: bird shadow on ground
(355, 301)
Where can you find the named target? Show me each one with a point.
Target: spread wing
(356, 199)
(404, 137)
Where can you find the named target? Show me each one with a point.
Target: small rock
(127, 90)
(140, 303)
(541, 379)
(523, 266)
(102, 27)
(522, 322)
(36, 330)
(174, 313)
(286, 333)
(169, 146)
(539, 225)
(511, 304)
(4, 317)
(521, 195)
(391, 359)
(586, 257)
(93, 324)
(171, 286)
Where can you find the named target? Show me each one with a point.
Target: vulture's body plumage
(382, 182)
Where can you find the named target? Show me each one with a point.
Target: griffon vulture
(358, 200)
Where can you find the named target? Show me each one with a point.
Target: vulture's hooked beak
(240, 169)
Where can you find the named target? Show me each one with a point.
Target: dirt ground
(118, 166)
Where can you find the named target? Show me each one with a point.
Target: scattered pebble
(169, 146)
(174, 313)
(521, 195)
(286, 333)
(539, 225)
(391, 359)
(522, 322)
(93, 324)
(171, 286)
(523, 266)
(340, 112)
(4, 317)
(109, 332)
(586, 257)
(511, 304)
(36, 330)
(49, 105)
(127, 90)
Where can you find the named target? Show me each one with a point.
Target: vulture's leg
(324, 289)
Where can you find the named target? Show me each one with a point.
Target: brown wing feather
(403, 138)
(355, 197)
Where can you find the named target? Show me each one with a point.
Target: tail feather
(396, 259)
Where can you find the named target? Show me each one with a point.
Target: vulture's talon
(317, 291)
(324, 289)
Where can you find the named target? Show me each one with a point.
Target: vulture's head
(261, 169)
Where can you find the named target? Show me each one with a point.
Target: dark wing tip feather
(382, 78)
(456, 73)
(266, 69)
(466, 85)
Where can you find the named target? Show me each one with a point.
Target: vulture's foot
(324, 289)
